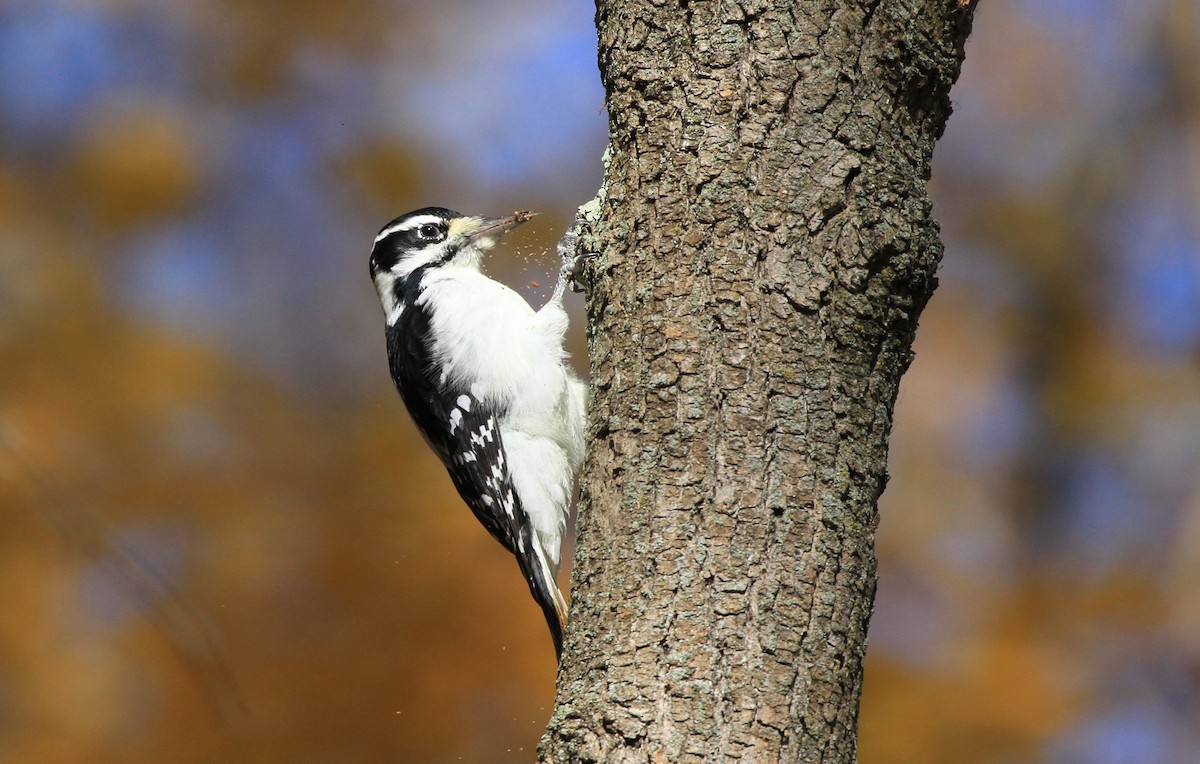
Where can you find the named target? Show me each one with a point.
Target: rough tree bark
(765, 247)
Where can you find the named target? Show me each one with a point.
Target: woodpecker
(485, 379)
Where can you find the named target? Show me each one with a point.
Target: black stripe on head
(441, 212)
(409, 232)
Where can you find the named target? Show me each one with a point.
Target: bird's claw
(571, 272)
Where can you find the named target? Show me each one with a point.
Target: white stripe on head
(408, 225)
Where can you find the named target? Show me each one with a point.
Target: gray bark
(764, 248)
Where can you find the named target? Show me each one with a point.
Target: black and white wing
(473, 451)
(466, 435)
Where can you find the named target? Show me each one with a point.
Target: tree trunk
(765, 247)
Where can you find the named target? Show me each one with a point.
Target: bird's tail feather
(544, 589)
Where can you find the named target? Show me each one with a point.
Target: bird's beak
(484, 229)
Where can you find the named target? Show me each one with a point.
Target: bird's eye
(429, 232)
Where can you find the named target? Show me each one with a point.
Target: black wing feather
(475, 441)
(466, 436)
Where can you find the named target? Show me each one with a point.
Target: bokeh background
(221, 538)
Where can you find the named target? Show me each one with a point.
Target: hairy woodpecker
(485, 378)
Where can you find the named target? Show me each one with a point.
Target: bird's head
(434, 237)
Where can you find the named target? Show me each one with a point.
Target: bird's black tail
(542, 586)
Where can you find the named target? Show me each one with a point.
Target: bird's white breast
(479, 330)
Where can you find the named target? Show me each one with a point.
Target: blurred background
(221, 538)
